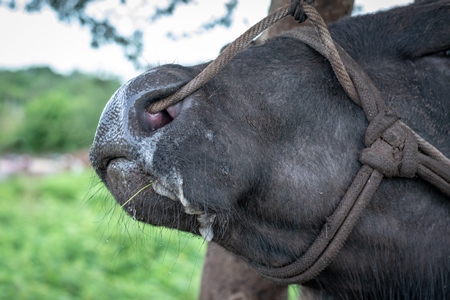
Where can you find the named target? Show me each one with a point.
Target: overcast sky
(40, 39)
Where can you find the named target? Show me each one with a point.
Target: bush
(58, 243)
(41, 111)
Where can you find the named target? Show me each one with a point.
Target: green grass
(61, 238)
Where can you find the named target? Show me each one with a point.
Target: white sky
(40, 39)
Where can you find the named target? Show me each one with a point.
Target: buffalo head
(260, 156)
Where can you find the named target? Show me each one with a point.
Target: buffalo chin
(144, 204)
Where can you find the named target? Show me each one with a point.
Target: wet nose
(125, 120)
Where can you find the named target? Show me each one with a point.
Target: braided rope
(219, 63)
(331, 52)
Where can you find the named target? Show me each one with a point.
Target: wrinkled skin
(257, 164)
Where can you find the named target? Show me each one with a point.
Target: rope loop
(391, 148)
(409, 165)
(297, 11)
(378, 126)
(380, 157)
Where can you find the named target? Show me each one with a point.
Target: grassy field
(63, 237)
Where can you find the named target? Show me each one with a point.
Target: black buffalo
(259, 157)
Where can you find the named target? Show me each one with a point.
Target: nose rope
(219, 63)
(393, 149)
(300, 10)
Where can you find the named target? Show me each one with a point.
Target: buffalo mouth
(150, 199)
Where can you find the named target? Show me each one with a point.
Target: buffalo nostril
(167, 83)
(153, 122)
(174, 110)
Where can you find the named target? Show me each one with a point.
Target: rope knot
(391, 148)
(296, 10)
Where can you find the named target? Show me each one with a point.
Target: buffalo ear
(425, 31)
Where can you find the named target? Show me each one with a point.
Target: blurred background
(61, 234)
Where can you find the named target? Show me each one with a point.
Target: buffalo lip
(205, 219)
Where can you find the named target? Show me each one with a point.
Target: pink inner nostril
(174, 110)
(158, 120)
(162, 118)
